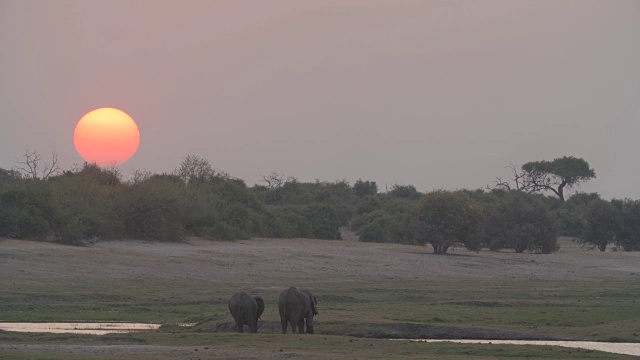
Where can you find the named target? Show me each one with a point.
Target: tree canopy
(521, 222)
(603, 223)
(364, 188)
(445, 219)
(556, 175)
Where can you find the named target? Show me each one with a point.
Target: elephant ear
(314, 304)
(260, 303)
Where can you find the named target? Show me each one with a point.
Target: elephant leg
(294, 326)
(283, 322)
(310, 324)
(240, 327)
(301, 326)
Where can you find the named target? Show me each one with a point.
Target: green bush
(25, 210)
(384, 218)
(522, 222)
(152, 209)
(628, 236)
(372, 232)
(325, 221)
(603, 223)
(445, 219)
(295, 221)
(571, 214)
(405, 191)
(365, 188)
(367, 205)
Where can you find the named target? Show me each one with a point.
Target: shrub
(25, 210)
(365, 188)
(445, 219)
(603, 223)
(628, 236)
(405, 191)
(521, 222)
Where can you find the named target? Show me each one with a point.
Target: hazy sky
(436, 94)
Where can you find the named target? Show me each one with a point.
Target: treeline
(497, 219)
(197, 200)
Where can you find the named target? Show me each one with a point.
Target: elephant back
(297, 303)
(239, 298)
(242, 302)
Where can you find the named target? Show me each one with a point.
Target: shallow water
(617, 348)
(97, 328)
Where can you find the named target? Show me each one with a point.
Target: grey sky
(436, 94)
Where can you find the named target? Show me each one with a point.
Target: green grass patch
(582, 310)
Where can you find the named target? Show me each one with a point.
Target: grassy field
(365, 292)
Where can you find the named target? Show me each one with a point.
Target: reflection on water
(617, 348)
(90, 328)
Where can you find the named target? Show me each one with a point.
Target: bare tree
(29, 166)
(140, 176)
(273, 180)
(515, 182)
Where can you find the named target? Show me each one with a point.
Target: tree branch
(28, 167)
(273, 180)
(517, 178)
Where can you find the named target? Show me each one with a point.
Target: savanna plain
(368, 293)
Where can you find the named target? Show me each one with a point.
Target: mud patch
(481, 303)
(419, 331)
(395, 331)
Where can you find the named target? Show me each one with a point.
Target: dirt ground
(313, 260)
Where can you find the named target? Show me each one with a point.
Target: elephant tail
(314, 307)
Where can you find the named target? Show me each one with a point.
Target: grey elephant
(246, 310)
(297, 307)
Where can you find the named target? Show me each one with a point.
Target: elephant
(246, 310)
(295, 307)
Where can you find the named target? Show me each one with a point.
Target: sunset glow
(106, 136)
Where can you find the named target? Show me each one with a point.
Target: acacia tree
(446, 219)
(555, 176)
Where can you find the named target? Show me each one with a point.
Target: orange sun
(106, 136)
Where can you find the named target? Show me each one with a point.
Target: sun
(106, 137)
